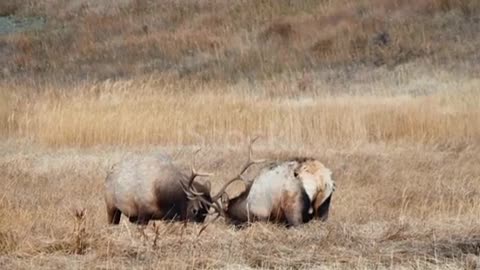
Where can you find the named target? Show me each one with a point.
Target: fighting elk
(145, 188)
(290, 192)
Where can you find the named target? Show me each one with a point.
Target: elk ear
(208, 185)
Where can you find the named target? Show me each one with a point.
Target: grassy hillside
(230, 41)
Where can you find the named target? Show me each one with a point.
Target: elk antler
(239, 176)
(195, 173)
(208, 223)
(188, 188)
(215, 204)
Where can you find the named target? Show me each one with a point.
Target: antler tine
(195, 195)
(222, 190)
(206, 225)
(192, 194)
(195, 173)
(251, 161)
(245, 167)
(219, 210)
(186, 190)
(215, 205)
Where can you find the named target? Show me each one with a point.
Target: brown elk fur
(290, 192)
(145, 188)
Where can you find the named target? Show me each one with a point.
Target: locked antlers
(190, 190)
(245, 167)
(193, 194)
(215, 204)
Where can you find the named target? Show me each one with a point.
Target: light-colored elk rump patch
(150, 187)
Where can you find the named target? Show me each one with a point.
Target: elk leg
(293, 217)
(113, 215)
(143, 219)
(321, 212)
(133, 219)
(292, 206)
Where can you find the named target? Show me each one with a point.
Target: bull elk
(301, 189)
(291, 192)
(148, 188)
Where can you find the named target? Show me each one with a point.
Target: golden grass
(394, 207)
(406, 168)
(392, 118)
(135, 113)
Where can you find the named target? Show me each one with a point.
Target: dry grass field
(385, 93)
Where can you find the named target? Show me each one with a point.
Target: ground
(385, 93)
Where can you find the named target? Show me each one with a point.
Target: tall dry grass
(406, 166)
(135, 113)
(409, 206)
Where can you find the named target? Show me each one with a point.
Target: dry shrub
(79, 232)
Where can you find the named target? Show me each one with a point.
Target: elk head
(220, 201)
(198, 194)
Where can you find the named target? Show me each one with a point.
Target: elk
(146, 188)
(291, 192)
(307, 187)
